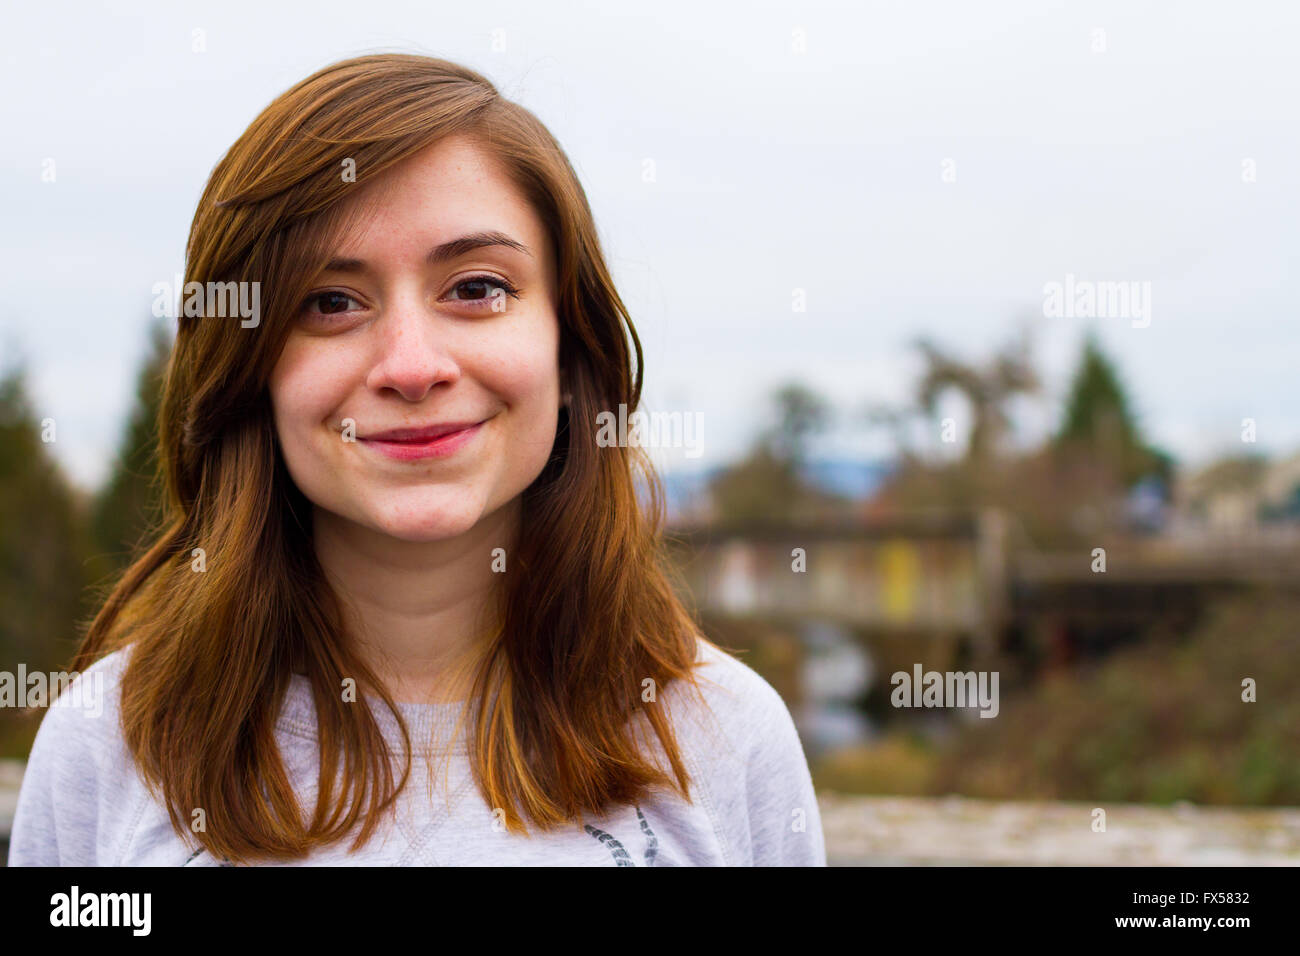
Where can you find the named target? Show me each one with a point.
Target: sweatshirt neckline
(430, 726)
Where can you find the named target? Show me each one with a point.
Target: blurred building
(1246, 496)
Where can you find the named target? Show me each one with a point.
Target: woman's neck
(419, 614)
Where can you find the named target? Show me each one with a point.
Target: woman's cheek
(525, 366)
(306, 392)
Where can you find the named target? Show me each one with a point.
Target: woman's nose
(414, 350)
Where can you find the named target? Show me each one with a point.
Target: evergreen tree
(128, 505)
(1099, 422)
(43, 575)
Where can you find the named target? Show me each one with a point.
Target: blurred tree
(1100, 425)
(768, 484)
(1157, 722)
(896, 420)
(43, 575)
(988, 391)
(128, 505)
(1067, 491)
(1161, 721)
(980, 477)
(800, 415)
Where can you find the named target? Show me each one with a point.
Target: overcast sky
(1113, 156)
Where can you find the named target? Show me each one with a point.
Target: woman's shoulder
(742, 747)
(79, 775)
(727, 715)
(728, 695)
(85, 706)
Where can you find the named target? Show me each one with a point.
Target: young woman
(404, 608)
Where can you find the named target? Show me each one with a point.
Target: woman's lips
(413, 449)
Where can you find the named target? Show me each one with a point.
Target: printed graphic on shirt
(619, 852)
(203, 850)
(615, 847)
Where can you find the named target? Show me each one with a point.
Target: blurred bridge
(960, 577)
(940, 574)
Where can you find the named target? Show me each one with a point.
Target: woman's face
(415, 325)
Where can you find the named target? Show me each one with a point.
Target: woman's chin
(431, 524)
(419, 532)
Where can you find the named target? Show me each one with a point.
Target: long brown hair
(588, 610)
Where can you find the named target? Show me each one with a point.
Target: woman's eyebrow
(444, 253)
(477, 240)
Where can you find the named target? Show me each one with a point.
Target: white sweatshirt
(83, 803)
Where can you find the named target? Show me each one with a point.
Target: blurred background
(979, 311)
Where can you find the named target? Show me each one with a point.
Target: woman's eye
(328, 303)
(487, 289)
